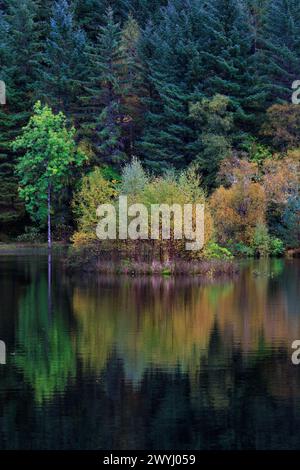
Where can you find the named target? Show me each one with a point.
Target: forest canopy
(174, 84)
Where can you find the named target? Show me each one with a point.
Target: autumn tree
(235, 169)
(282, 126)
(94, 190)
(237, 211)
(280, 180)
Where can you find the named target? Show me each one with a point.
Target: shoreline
(203, 268)
(81, 260)
(75, 261)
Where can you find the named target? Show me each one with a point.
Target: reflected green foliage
(45, 352)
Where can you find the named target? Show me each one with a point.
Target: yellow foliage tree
(95, 190)
(281, 178)
(237, 211)
(173, 189)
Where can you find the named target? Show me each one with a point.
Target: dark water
(118, 363)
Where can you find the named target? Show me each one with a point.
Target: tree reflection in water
(153, 363)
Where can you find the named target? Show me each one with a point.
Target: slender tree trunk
(49, 284)
(49, 254)
(49, 218)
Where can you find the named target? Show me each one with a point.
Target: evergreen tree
(145, 10)
(280, 49)
(197, 50)
(43, 13)
(171, 53)
(290, 227)
(63, 61)
(3, 34)
(102, 116)
(232, 64)
(132, 86)
(91, 14)
(19, 49)
(256, 12)
(214, 123)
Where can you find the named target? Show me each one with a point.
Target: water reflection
(149, 363)
(45, 353)
(169, 323)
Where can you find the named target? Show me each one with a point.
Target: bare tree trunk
(49, 218)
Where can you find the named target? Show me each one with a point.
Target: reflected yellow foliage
(166, 330)
(169, 323)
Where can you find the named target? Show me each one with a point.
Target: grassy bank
(110, 262)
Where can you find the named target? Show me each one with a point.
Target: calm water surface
(152, 363)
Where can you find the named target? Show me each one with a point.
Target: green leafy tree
(50, 156)
(261, 240)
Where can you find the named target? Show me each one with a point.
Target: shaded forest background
(173, 83)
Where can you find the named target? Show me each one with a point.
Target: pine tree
(3, 37)
(232, 64)
(176, 54)
(214, 127)
(171, 56)
(146, 10)
(132, 86)
(198, 50)
(280, 49)
(19, 50)
(91, 14)
(102, 116)
(256, 12)
(43, 14)
(63, 62)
